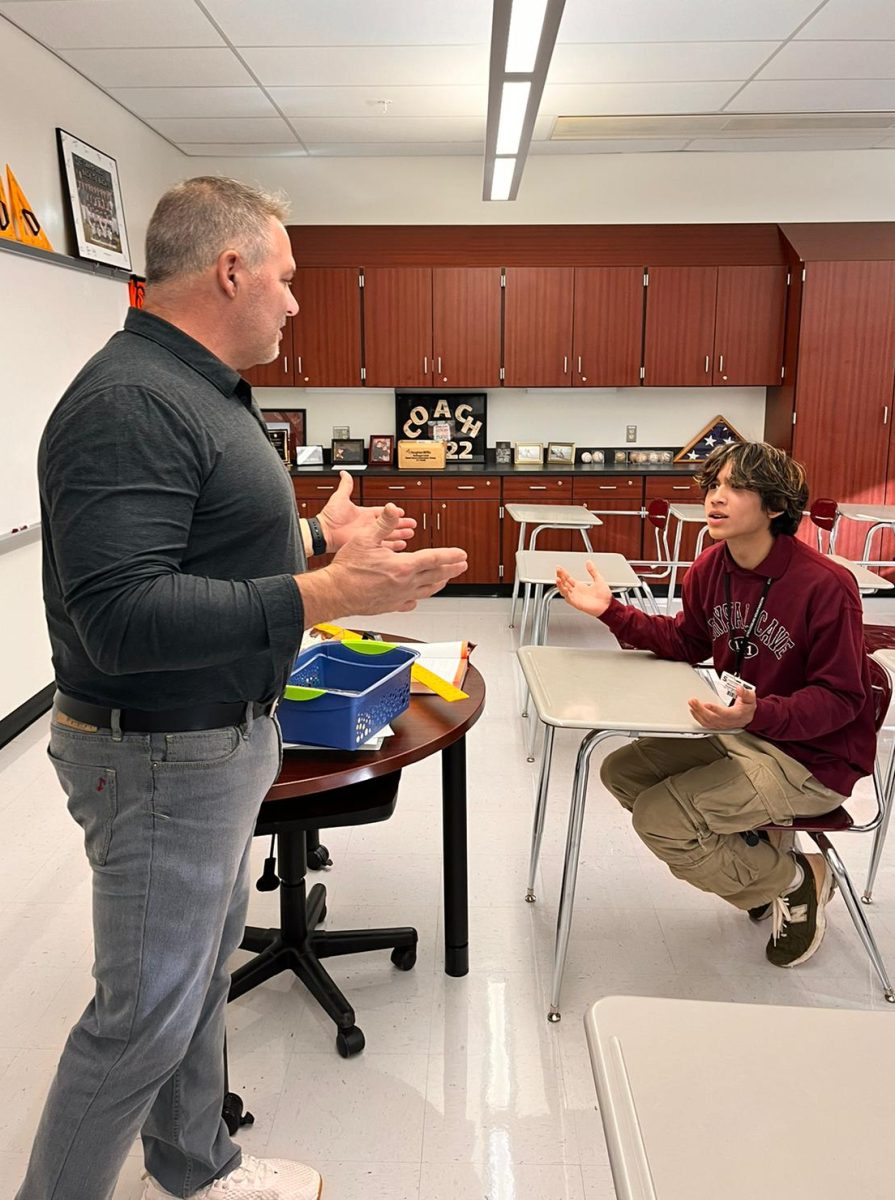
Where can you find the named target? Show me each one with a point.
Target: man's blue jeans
(168, 822)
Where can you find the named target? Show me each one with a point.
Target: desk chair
(824, 514)
(296, 945)
(658, 514)
(841, 821)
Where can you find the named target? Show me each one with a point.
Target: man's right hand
(593, 598)
(366, 577)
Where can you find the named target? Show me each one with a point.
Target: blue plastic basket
(340, 694)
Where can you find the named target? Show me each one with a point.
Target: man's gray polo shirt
(169, 529)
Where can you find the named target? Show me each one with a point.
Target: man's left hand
(714, 716)
(341, 519)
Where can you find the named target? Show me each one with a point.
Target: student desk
(877, 516)
(865, 579)
(711, 1101)
(430, 725)
(606, 693)
(547, 516)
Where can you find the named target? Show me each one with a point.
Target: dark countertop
(580, 470)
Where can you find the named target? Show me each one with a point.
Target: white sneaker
(254, 1179)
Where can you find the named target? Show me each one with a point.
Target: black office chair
(297, 945)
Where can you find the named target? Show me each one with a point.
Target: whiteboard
(52, 320)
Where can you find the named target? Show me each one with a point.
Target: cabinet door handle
(438, 522)
(424, 522)
(326, 487)
(565, 364)
(680, 487)
(720, 364)
(537, 487)
(885, 414)
(706, 364)
(439, 364)
(608, 487)
(465, 487)
(425, 364)
(579, 364)
(396, 487)
(285, 364)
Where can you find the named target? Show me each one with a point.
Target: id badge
(730, 683)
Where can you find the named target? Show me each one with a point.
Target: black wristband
(318, 541)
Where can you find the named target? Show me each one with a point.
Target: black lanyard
(747, 634)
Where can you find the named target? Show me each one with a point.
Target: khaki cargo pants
(690, 799)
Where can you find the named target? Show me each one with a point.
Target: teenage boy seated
(787, 621)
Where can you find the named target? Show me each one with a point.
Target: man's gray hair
(197, 219)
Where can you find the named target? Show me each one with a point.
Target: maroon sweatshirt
(806, 655)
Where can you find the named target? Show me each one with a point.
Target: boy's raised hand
(593, 598)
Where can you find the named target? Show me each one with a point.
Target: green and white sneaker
(799, 921)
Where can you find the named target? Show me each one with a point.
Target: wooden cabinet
(538, 326)
(844, 386)
(326, 338)
(573, 327)
(749, 320)
(607, 326)
(544, 489)
(450, 511)
(466, 512)
(466, 327)
(412, 493)
(427, 327)
(311, 494)
(618, 501)
(398, 326)
(278, 373)
(720, 326)
(680, 326)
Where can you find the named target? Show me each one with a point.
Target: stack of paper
(375, 743)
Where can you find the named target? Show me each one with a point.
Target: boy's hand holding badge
(736, 714)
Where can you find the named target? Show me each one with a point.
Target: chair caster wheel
(350, 1041)
(232, 1112)
(865, 899)
(404, 957)
(553, 1016)
(530, 897)
(530, 758)
(319, 859)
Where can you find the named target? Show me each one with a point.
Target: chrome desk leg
(868, 540)
(586, 539)
(526, 604)
(570, 865)
(539, 638)
(856, 912)
(520, 545)
(537, 831)
(650, 604)
(675, 555)
(885, 785)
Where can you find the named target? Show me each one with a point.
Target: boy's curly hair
(758, 467)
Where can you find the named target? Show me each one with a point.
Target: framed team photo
(94, 199)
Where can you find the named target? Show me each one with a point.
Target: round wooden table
(428, 726)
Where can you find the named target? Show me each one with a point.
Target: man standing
(176, 603)
(785, 624)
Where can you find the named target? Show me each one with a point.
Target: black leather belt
(171, 720)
